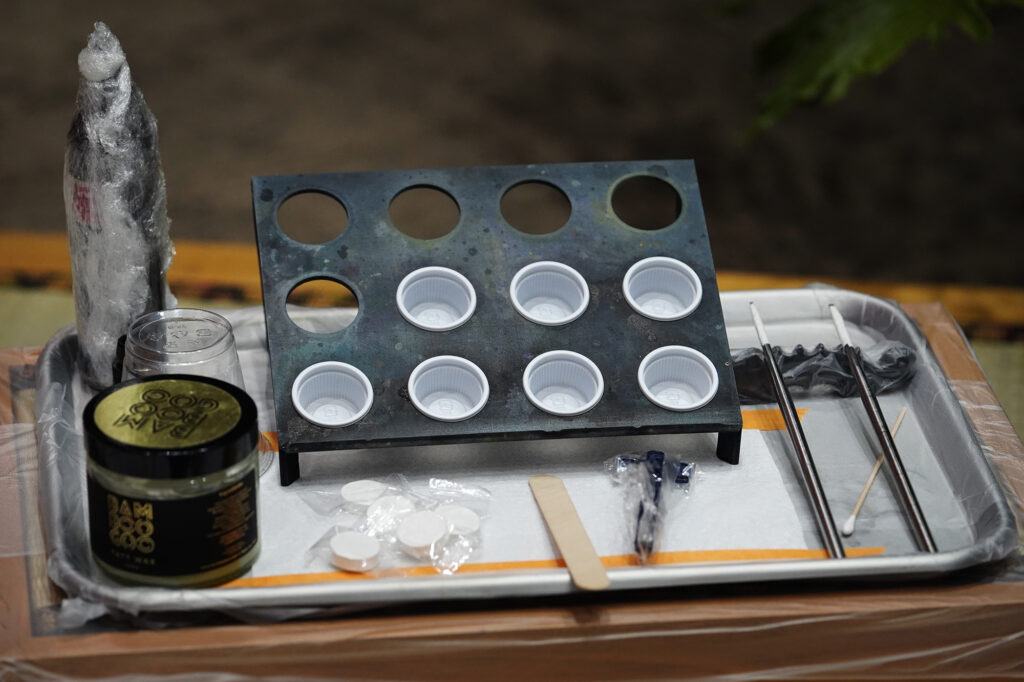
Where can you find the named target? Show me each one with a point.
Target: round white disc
(362, 493)
(420, 530)
(462, 520)
(352, 551)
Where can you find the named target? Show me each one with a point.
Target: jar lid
(170, 426)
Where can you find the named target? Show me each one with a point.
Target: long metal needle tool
(908, 499)
(826, 524)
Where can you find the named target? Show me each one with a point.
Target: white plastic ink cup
(678, 378)
(436, 299)
(662, 288)
(549, 293)
(448, 388)
(332, 394)
(563, 383)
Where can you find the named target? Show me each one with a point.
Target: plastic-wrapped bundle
(888, 365)
(116, 205)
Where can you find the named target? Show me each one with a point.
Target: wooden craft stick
(570, 536)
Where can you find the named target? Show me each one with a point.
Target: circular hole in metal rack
(535, 207)
(321, 306)
(424, 212)
(312, 217)
(645, 202)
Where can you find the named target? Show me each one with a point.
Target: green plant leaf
(832, 43)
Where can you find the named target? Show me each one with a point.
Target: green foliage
(829, 45)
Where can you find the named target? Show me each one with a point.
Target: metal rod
(908, 500)
(826, 524)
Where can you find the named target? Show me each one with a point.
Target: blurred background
(914, 175)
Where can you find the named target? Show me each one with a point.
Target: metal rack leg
(289, 464)
(729, 446)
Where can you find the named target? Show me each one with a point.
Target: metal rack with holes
(372, 256)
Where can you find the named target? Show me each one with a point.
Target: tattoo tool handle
(918, 525)
(826, 524)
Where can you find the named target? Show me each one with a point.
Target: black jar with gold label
(172, 481)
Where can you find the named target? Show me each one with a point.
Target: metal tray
(962, 501)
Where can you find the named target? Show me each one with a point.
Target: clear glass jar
(183, 489)
(172, 481)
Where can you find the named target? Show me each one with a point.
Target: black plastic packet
(888, 365)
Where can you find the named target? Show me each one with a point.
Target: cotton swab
(852, 521)
(900, 479)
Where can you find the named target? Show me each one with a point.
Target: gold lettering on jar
(130, 524)
(159, 411)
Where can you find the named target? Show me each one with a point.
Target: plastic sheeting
(115, 199)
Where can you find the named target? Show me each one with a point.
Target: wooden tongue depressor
(559, 513)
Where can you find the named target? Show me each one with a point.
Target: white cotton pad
(352, 551)
(420, 530)
(387, 510)
(362, 493)
(461, 520)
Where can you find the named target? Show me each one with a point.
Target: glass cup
(186, 341)
(182, 341)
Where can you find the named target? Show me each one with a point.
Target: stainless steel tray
(962, 501)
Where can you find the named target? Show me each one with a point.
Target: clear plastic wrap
(888, 366)
(393, 520)
(647, 481)
(967, 625)
(115, 199)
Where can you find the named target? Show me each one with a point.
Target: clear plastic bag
(888, 365)
(644, 479)
(440, 525)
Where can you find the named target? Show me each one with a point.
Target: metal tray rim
(992, 547)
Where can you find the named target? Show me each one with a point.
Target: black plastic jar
(172, 481)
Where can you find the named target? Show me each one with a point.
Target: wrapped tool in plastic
(116, 205)
(888, 366)
(643, 476)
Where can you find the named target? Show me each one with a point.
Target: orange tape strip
(759, 420)
(767, 420)
(621, 560)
